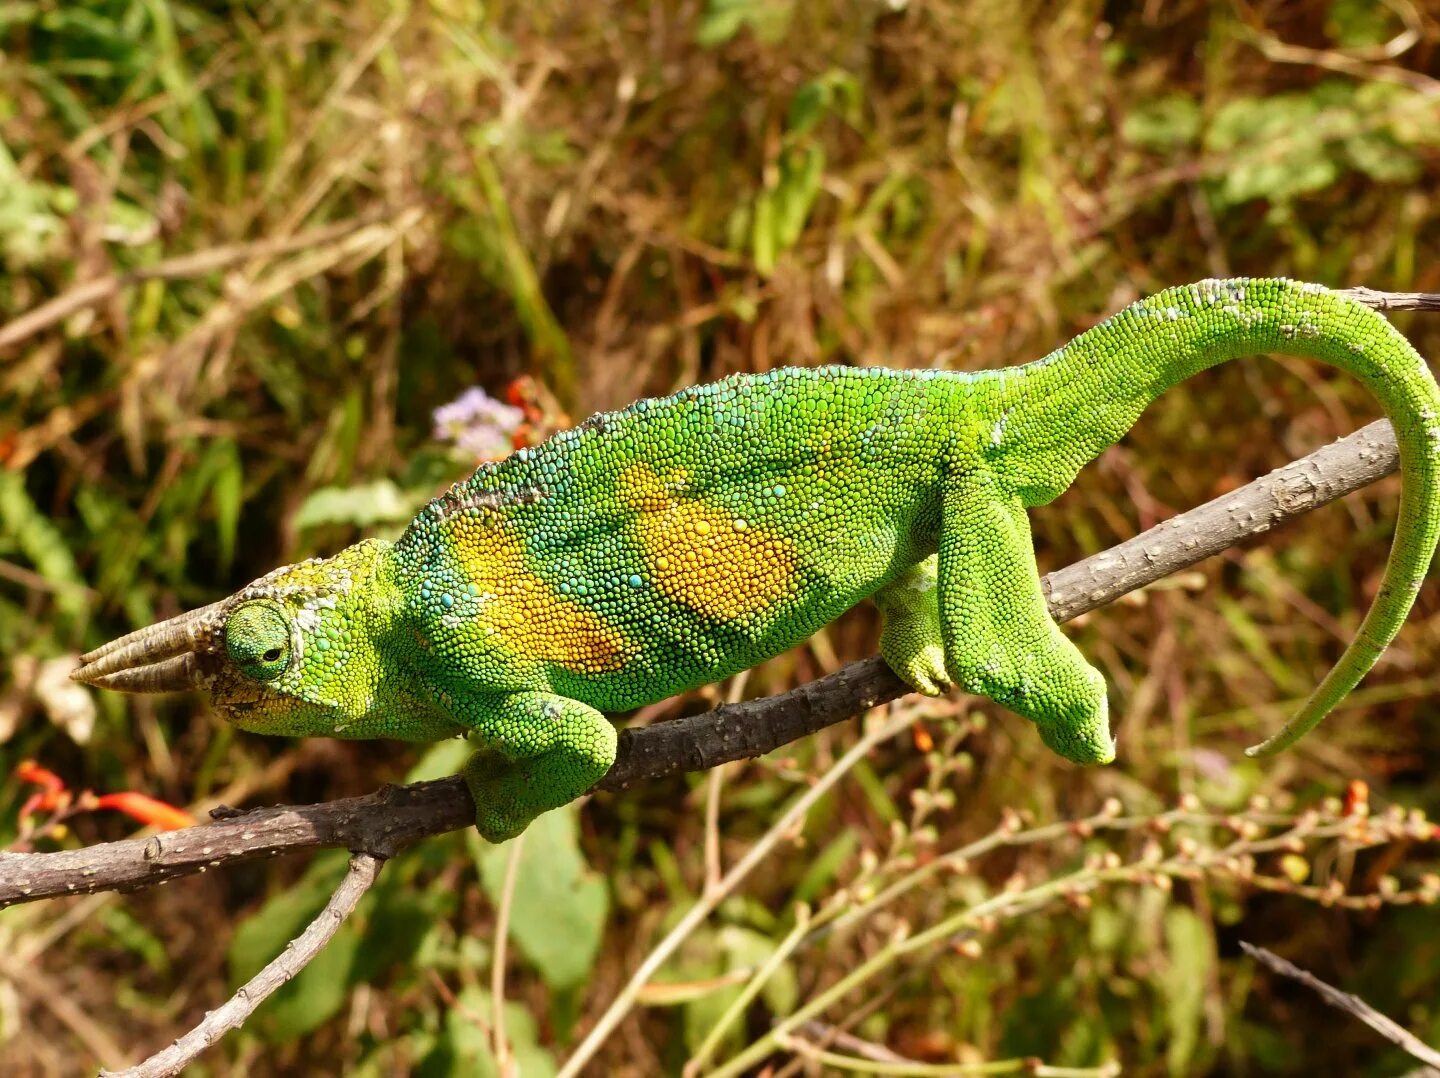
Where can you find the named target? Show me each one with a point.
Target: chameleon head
(298, 652)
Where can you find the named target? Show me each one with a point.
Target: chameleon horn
(169, 675)
(145, 646)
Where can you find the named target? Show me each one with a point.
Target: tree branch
(364, 868)
(1353, 1005)
(385, 822)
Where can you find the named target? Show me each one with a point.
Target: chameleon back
(683, 539)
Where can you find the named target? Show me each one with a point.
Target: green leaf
(1277, 148)
(825, 867)
(769, 20)
(1355, 24)
(801, 170)
(557, 917)
(1190, 954)
(227, 491)
(23, 522)
(1381, 158)
(441, 760)
(833, 92)
(781, 212)
(764, 244)
(1165, 123)
(808, 106)
(464, 1044)
(364, 505)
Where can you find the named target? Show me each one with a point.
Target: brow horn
(158, 658)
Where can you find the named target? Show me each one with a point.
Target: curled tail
(1063, 410)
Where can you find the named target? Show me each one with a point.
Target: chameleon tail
(1061, 411)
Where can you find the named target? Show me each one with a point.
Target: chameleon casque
(651, 550)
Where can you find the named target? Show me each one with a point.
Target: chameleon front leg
(1000, 640)
(541, 751)
(911, 639)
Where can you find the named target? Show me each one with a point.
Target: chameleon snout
(167, 657)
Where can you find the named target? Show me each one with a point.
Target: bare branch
(364, 868)
(387, 821)
(1353, 1005)
(1393, 301)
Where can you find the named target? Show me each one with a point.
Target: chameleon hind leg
(542, 751)
(1000, 640)
(911, 639)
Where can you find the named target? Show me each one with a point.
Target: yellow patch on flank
(703, 557)
(528, 618)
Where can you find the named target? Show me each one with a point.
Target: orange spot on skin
(703, 557)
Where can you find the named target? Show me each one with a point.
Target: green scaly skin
(676, 542)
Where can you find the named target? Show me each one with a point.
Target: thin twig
(1353, 1005)
(364, 868)
(181, 267)
(708, 901)
(391, 819)
(40, 989)
(499, 1043)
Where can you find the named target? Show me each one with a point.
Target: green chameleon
(678, 541)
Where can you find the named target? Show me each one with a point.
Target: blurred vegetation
(249, 248)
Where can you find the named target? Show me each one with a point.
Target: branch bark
(383, 823)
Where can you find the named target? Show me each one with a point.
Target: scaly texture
(678, 541)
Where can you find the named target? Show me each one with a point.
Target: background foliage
(297, 229)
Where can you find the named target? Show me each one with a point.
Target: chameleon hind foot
(542, 751)
(911, 641)
(1000, 640)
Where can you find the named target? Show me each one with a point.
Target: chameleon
(676, 542)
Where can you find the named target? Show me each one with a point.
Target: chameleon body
(673, 543)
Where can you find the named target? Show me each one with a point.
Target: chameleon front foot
(543, 751)
(911, 640)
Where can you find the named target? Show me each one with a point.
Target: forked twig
(364, 868)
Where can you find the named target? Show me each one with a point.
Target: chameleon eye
(257, 638)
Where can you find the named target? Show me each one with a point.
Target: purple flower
(478, 425)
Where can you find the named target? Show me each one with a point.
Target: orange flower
(31, 772)
(924, 741)
(52, 795)
(1357, 798)
(146, 809)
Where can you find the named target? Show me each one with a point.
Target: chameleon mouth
(159, 658)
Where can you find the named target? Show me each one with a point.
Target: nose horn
(169, 675)
(141, 656)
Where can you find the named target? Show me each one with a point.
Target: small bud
(1295, 868)
(969, 948)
